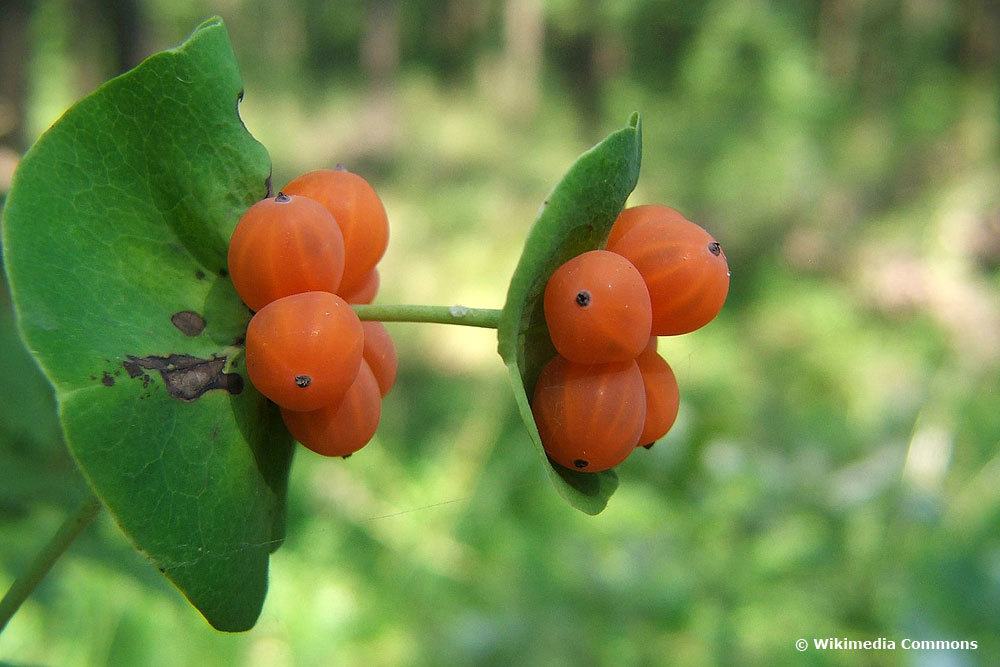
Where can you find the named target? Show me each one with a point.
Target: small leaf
(117, 222)
(575, 218)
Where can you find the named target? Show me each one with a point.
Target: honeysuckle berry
(684, 268)
(589, 416)
(366, 293)
(358, 211)
(380, 355)
(597, 309)
(303, 351)
(285, 245)
(342, 427)
(662, 394)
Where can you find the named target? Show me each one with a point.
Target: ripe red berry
(359, 212)
(683, 266)
(597, 309)
(343, 427)
(366, 293)
(282, 246)
(380, 355)
(589, 416)
(662, 394)
(303, 351)
(630, 218)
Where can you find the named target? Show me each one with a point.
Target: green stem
(46, 558)
(487, 318)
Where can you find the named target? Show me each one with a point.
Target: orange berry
(597, 309)
(662, 394)
(380, 355)
(630, 218)
(282, 246)
(683, 266)
(343, 427)
(589, 416)
(359, 212)
(366, 293)
(303, 351)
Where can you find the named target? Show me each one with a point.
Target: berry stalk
(46, 558)
(486, 318)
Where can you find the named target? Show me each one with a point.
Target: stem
(487, 318)
(46, 558)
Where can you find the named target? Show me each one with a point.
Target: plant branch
(46, 558)
(487, 318)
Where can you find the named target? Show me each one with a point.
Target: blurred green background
(835, 470)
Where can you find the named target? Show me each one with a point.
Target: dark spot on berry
(303, 381)
(188, 322)
(282, 198)
(583, 298)
(107, 380)
(715, 248)
(581, 463)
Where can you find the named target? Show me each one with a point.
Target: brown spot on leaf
(189, 322)
(107, 380)
(186, 377)
(199, 274)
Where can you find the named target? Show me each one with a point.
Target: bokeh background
(835, 470)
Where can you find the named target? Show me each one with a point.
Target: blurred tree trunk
(576, 51)
(524, 34)
(585, 85)
(14, 16)
(981, 49)
(838, 39)
(380, 64)
(95, 24)
(125, 19)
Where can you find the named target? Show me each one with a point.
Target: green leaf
(115, 234)
(575, 218)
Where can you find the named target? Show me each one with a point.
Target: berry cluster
(608, 390)
(299, 260)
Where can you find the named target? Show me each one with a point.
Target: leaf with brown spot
(115, 230)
